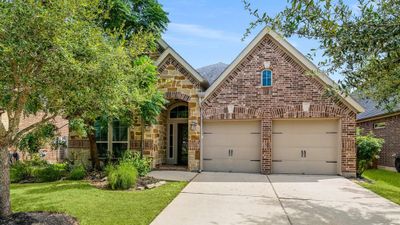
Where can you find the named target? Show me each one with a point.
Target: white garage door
(305, 146)
(232, 146)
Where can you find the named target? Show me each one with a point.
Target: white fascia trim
(163, 44)
(175, 55)
(296, 55)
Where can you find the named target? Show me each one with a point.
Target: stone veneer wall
(391, 134)
(292, 85)
(179, 86)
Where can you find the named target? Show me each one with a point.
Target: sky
(205, 32)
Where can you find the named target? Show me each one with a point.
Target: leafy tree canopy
(134, 16)
(361, 41)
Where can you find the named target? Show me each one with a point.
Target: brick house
(63, 132)
(266, 113)
(383, 124)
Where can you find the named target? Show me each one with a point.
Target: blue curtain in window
(267, 78)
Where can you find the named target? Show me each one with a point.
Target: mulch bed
(39, 218)
(99, 180)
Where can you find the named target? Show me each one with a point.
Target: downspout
(201, 96)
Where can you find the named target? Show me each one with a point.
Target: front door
(182, 143)
(178, 135)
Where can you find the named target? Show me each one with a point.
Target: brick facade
(391, 135)
(292, 85)
(63, 131)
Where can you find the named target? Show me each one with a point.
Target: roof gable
(170, 52)
(294, 53)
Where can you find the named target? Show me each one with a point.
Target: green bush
(368, 148)
(77, 173)
(122, 176)
(19, 171)
(142, 164)
(51, 172)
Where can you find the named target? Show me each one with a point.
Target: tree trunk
(5, 204)
(93, 151)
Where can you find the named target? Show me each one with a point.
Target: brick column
(266, 145)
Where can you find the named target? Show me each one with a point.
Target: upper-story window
(379, 125)
(266, 78)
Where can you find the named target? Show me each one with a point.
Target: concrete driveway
(235, 198)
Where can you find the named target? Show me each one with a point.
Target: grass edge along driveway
(384, 183)
(94, 206)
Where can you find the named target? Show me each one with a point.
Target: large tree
(360, 41)
(138, 24)
(56, 58)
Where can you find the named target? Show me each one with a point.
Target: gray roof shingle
(212, 72)
(372, 108)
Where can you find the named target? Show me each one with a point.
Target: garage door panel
(304, 140)
(239, 140)
(318, 139)
(327, 154)
(286, 153)
(216, 152)
(241, 137)
(245, 153)
(246, 166)
(218, 165)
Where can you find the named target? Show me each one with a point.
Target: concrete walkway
(234, 198)
(172, 175)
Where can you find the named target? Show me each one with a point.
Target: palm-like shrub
(121, 176)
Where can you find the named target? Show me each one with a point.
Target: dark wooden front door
(183, 134)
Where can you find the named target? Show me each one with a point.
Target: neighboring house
(48, 153)
(265, 113)
(384, 124)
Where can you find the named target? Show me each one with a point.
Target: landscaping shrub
(122, 176)
(77, 173)
(51, 172)
(142, 164)
(19, 171)
(368, 148)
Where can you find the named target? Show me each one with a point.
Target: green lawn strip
(384, 183)
(93, 206)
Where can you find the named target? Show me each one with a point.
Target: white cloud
(198, 31)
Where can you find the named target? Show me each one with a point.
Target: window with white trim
(266, 78)
(379, 125)
(111, 138)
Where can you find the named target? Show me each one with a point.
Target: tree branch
(32, 126)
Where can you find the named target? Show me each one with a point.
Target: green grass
(385, 183)
(91, 205)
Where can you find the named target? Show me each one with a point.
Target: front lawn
(94, 206)
(385, 183)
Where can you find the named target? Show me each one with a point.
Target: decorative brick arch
(315, 111)
(177, 96)
(238, 113)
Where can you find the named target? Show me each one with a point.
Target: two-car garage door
(298, 146)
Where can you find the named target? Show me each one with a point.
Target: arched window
(266, 78)
(179, 112)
